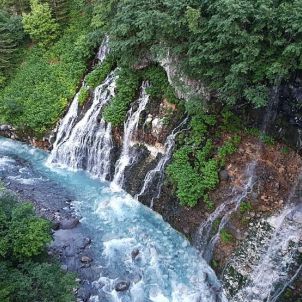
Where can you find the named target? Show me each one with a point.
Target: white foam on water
(26, 181)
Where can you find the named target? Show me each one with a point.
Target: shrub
(84, 95)
(267, 139)
(208, 203)
(26, 274)
(245, 206)
(194, 167)
(228, 148)
(226, 236)
(127, 86)
(160, 87)
(99, 74)
(23, 234)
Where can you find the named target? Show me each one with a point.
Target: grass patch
(226, 236)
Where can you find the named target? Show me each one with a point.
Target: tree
(60, 9)
(40, 24)
(22, 234)
(15, 6)
(26, 274)
(7, 43)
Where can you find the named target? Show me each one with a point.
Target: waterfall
(66, 125)
(103, 50)
(158, 172)
(202, 238)
(225, 210)
(273, 271)
(88, 143)
(130, 129)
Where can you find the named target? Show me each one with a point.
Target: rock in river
(122, 286)
(68, 224)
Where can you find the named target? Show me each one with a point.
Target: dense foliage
(40, 24)
(25, 272)
(239, 48)
(127, 86)
(99, 74)
(196, 163)
(47, 79)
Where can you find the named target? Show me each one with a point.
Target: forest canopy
(240, 48)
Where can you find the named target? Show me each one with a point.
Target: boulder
(64, 268)
(86, 259)
(55, 226)
(86, 241)
(68, 224)
(134, 253)
(224, 175)
(122, 286)
(5, 127)
(157, 126)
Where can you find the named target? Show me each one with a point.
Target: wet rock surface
(122, 286)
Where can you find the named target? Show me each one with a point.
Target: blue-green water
(169, 269)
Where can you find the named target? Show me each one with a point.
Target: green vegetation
(285, 150)
(84, 95)
(26, 273)
(99, 74)
(226, 236)
(195, 165)
(239, 48)
(47, 79)
(265, 138)
(245, 207)
(40, 24)
(208, 203)
(126, 89)
(11, 36)
(160, 87)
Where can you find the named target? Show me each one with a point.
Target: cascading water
(275, 265)
(67, 124)
(225, 210)
(130, 128)
(203, 239)
(268, 259)
(103, 50)
(157, 174)
(88, 144)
